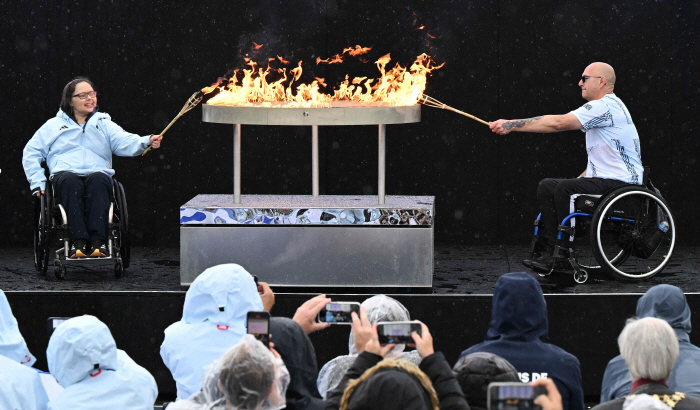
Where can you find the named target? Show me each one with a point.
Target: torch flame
(358, 50)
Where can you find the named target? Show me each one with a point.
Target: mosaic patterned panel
(305, 216)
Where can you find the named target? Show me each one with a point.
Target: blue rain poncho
(378, 308)
(12, 343)
(20, 387)
(84, 359)
(213, 320)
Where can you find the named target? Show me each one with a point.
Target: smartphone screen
(338, 312)
(513, 396)
(397, 332)
(53, 322)
(259, 326)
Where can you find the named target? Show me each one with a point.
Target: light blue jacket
(665, 302)
(20, 387)
(66, 145)
(213, 320)
(12, 344)
(84, 359)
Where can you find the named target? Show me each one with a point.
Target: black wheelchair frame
(51, 226)
(626, 226)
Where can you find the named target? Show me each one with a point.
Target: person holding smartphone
(379, 308)
(389, 385)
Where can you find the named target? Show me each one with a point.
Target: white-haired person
(650, 349)
(249, 376)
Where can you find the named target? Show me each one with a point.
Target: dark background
(504, 59)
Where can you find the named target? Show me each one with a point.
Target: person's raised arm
(434, 365)
(541, 124)
(126, 144)
(306, 314)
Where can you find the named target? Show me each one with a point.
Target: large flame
(280, 87)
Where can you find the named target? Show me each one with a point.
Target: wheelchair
(51, 229)
(628, 233)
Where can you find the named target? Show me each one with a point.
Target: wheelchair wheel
(42, 233)
(118, 268)
(122, 239)
(59, 269)
(633, 233)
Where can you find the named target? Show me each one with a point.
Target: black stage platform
(584, 320)
(459, 269)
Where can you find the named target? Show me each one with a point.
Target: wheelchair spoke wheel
(41, 234)
(122, 238)
(634, 233)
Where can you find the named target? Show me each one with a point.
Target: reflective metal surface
(313, 256)
(338, 113)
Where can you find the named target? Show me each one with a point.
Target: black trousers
(86, 201)
(554, 199)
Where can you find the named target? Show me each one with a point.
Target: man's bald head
(598, 79)
(604, 70)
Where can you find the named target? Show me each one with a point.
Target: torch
(432, 102)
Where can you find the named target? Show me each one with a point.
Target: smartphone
(53, 322)
(513, 396)
(258, 325)
(397, 332)
(338, 312)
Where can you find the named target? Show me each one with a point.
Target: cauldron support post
(314, 160)
(237, 164)
(382, 164)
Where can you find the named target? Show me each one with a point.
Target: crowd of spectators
(216, 365)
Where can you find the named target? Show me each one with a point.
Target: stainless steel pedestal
(339, 241)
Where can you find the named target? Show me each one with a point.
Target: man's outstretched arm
(541, 124)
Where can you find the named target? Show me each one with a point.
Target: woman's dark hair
(68, 91)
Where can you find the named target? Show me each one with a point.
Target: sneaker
(78, 249)
(98, 250)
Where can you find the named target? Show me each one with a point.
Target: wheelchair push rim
(642, 268)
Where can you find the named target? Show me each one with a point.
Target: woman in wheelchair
(77, 146)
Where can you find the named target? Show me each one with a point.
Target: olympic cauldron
(312, 240)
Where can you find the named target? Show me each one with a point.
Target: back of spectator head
(666, 302)
(248, 376)
(222, 294)
(12, 344)
(381, 308)
(649, 347)
(475, 371)
(519, 311)
(79, 347)
(391, 385)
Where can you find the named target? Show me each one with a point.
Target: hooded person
(246, 377)
(213, 320)
(372, 383)
(292, 343)
(474, 373)
(20, 385)
(518, 333)
(379, 308)
(668, 303)
(84, 359)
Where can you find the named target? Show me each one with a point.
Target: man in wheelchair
(612, 144)
(77, 146)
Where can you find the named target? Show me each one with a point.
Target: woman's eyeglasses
(83, 96)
